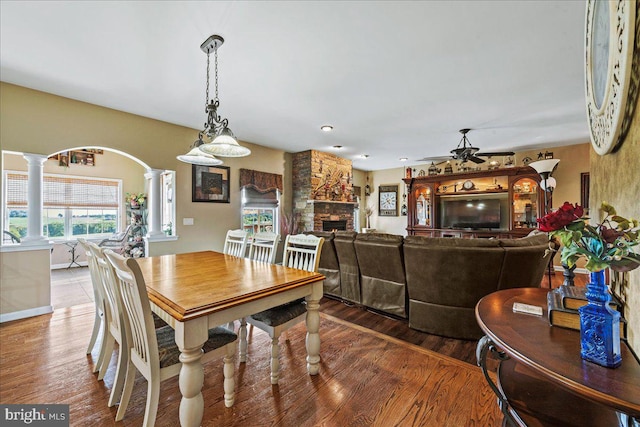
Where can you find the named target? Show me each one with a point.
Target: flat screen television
(464, 213)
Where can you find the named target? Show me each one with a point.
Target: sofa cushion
(525, 262)
(381, 265)
(451, 242)
(531, 240)
(349, 270)
(452, 274)
(329, 266)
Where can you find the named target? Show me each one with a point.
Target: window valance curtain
(263, 182)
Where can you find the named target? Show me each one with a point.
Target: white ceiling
(395, 79)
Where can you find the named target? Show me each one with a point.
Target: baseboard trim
(23, 314)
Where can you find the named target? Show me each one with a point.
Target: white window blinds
(63, 192)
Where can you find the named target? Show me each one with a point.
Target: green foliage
(607, 245)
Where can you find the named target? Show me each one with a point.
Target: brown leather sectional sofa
(434, 282)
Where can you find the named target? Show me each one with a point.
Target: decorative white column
(35, 166)
(155, 203)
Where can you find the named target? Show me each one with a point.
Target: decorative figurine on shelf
(408, 173)
(606, 245)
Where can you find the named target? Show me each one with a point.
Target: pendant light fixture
(223, 142)
(197, 157)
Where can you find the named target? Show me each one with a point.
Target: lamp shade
(544, 166)
(197, 157)
(548, 184)
(225, 145)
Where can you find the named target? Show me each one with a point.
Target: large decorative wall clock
(611, 81)
(388, 200)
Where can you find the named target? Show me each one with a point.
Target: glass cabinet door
(525, 203)
(423, 206)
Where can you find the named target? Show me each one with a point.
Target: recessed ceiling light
(364, 156)
(403, 159)
(326, 128)
(337, 147)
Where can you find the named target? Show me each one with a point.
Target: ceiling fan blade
(434, 159)
(497, 154)
(475, 159)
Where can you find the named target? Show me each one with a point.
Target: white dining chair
(99, 322)
(235, 243)
(115, 323)
(301, 252)
(154, 352)
(264, 247)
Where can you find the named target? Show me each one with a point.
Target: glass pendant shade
(225, 145)
(197, 157)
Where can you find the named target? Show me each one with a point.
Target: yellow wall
(70, 123)
(41, 123)
(615, 178)
(574, 159)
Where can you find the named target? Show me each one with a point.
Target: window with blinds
(73, 206)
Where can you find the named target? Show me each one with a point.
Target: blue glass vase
(599, 325)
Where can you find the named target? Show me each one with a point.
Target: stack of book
(563, 304)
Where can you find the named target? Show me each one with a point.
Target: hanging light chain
(215, 55)
(206, 101)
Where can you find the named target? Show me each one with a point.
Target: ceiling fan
(465, 151)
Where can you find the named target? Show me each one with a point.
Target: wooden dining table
(196, 291)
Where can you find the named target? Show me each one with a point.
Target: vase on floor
(599, 325)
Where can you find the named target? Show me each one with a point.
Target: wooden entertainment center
(500, 203)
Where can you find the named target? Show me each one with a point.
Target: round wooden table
(540, 366)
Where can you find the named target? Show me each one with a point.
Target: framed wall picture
(210, 184)
(388, 200)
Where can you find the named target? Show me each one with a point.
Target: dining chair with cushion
(263, 248)
(99, 321)
(301, 252)
(154, 352)
(235, 243)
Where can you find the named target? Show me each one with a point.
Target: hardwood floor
(73, 286)
(365, 378)
(375, 371)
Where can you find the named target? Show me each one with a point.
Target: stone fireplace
(322, 190)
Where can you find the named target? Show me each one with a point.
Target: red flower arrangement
(608, 244)
(560, 218)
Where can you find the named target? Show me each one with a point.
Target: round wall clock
(610, 31)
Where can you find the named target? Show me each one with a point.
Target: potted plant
(135, 200)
